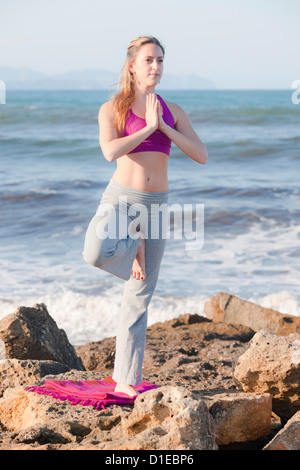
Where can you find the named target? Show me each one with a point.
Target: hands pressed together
(153, 114)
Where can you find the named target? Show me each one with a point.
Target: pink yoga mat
(96, 393)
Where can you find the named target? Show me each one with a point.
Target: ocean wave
(92, 317)
(218, 192)
(89, 317)
(31, 195)
(59, 189)
(240, 115)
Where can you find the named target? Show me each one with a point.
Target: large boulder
(239, 417)
(271, 364)
(31, 333)
(169, 418)
(231, 309)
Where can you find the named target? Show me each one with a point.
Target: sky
(239, 44)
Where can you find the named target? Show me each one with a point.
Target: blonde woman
(136, 130)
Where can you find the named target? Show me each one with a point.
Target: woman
(136, 130)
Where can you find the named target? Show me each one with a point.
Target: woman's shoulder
(106, 110)
(107, 106)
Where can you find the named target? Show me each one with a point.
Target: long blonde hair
(125, 93)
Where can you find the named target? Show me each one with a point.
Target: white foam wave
(86, 317)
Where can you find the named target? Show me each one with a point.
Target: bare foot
(138, 267)
(126, 388)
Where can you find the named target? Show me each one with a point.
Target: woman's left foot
(138, 267)
(126, 388)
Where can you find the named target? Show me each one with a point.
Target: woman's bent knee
(91, 259)
(96, 246)
(95, 255)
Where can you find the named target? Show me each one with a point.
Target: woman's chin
(154, 77)
(153, 81)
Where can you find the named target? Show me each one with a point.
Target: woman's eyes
(160, 60)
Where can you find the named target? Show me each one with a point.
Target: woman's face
(148, 65)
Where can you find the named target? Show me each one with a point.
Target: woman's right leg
(112, 250)
(116, 255)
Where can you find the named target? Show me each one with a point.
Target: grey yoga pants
(111, 245)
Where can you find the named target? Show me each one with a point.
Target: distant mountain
(90, 79)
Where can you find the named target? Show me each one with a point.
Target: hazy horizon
(237, 45)
(163, 86)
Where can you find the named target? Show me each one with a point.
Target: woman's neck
(141, 96)
(142, 92)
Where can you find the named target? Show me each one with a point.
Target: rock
(169, 418)
(21, 409)
(53, 435)
(198, 404)
(287, 438)
(12, 410)
(164, 418)
(239, 417)
(31, 333)
(231, 309)
(18, 373)
(52, 432)
(271, 364)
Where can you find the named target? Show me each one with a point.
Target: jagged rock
(12, 409)
(231, 309)
(18, 373)
(164, 418)
(52, 432)
(31, 333)
(271, 364)
(239, 417)
(169, 418)
(190, 357)
(21, 409)
(287, 438)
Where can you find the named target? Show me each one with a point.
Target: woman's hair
(125, 93)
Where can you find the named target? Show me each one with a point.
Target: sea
(53, 174)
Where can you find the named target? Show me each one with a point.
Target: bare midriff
(145, 171)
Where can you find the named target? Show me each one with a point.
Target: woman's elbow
(109, 157)
(203, 155)
(107, 154)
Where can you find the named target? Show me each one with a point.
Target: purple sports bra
(156, 142)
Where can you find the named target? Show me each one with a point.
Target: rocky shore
(228, 381)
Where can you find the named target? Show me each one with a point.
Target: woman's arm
(114, 147)
(184, 135)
